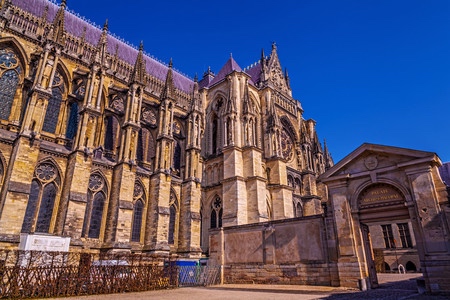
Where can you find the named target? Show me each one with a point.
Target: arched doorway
(416, 200)
(386, 230)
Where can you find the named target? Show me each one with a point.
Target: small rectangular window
(388, 236)
(405, 236)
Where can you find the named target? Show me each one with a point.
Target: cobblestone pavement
(392, 287)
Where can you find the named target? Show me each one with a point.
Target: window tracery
(54, 104)
(41, 200)
(148, 116)
(93, 216)
(138, 210)
(287, 145)
(173, 218)
(216, 213)
(10, 72)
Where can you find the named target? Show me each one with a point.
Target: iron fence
(25, 274)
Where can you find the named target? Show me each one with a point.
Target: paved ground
(392, 287)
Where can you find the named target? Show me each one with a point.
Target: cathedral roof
(255, 72)
(75, 26)
(230, 66)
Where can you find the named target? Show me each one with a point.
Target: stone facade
(101, 143)
(386, 205)
(379, 185)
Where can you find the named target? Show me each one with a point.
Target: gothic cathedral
(107, 146)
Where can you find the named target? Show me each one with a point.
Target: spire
(139, 66)
(286, 77)
(247, 103)
(4, 4)
(195, 103)
(45, 14)
(169, 87)
(104, 35)
(58, 34)
(263, 61)
(100, 56)
(328, 159)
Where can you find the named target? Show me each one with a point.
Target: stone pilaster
(349, 265)
(73, 201)
(234, 188)
(432, 232)
(189, 230)
(282, 204)
(158, 215)
(18, 183)
(120, 208)
(255, 185)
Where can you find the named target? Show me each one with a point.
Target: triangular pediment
(369, 157)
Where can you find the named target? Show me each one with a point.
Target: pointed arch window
(112, 135)
(145, 151)
(138, 211)
(214, 134)
(72, 121)
(173, 218)
(41, 201)
(298, 210)
(216, 213)
(10, 73)
(177, 157)
(54, 104)
(93, 217)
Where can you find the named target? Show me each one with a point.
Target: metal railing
(25, 274)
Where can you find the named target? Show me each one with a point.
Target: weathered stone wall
(291, 251)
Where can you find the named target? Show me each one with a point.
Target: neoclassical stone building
(103, 144)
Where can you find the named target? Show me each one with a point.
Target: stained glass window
(97, 191)
(96, 215)
(216, 213)
(177, 156)
(41, 200)
(173, 209)
(72, 123)
(111, 134)
(46, 208)
(172, 219)
(141, 145)
(54, 104)
(137, 221)
(10, 71)
(214, 135)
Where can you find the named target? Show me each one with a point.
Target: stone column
(349, 265)
(431, 230)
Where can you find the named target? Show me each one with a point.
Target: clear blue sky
(375, 71)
